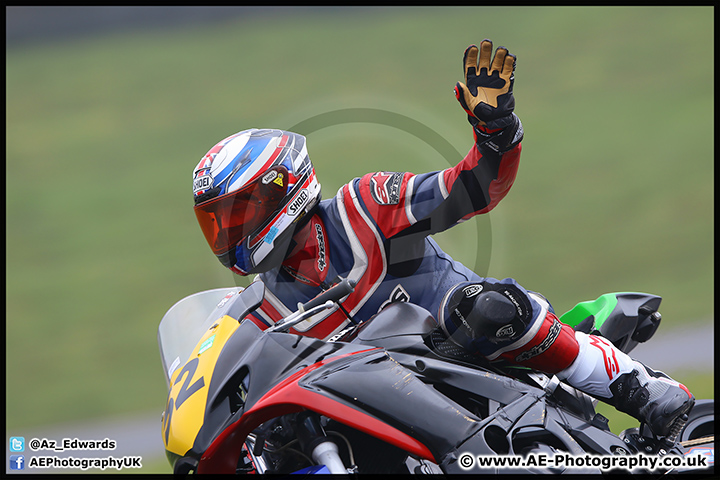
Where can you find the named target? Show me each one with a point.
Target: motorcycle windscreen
(186, 322)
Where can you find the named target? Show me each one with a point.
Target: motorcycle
(389, 395)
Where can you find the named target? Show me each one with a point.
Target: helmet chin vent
(208, 195)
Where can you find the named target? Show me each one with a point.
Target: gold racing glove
(487, 94)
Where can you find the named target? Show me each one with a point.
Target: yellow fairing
(186, 403)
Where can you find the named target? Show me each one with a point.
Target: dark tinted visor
(229, 219)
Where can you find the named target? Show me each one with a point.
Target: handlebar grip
(334, 293)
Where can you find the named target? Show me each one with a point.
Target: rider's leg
(605, 372)
(500, 319)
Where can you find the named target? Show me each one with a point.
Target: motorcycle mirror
(248, 300)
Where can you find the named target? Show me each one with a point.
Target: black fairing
(633, 320)
(409, 405)
(449, 407)
(257, 361)
(400, 326)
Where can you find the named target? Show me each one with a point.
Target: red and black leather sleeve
(407, 207)
(409, 204)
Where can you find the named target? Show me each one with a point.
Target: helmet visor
(229, 219)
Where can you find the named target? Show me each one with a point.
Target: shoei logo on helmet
(202, 183)
(269, 177)
(298, 203)
(275, 177)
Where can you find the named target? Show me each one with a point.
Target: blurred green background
(614, 192)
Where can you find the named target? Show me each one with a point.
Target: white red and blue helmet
(251, 190)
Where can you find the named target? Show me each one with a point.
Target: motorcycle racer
(258, 203)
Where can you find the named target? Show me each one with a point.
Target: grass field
(615, 190)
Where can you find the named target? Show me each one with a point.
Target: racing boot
(653, 398)
(650, 396)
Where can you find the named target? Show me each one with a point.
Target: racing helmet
(251, 191)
